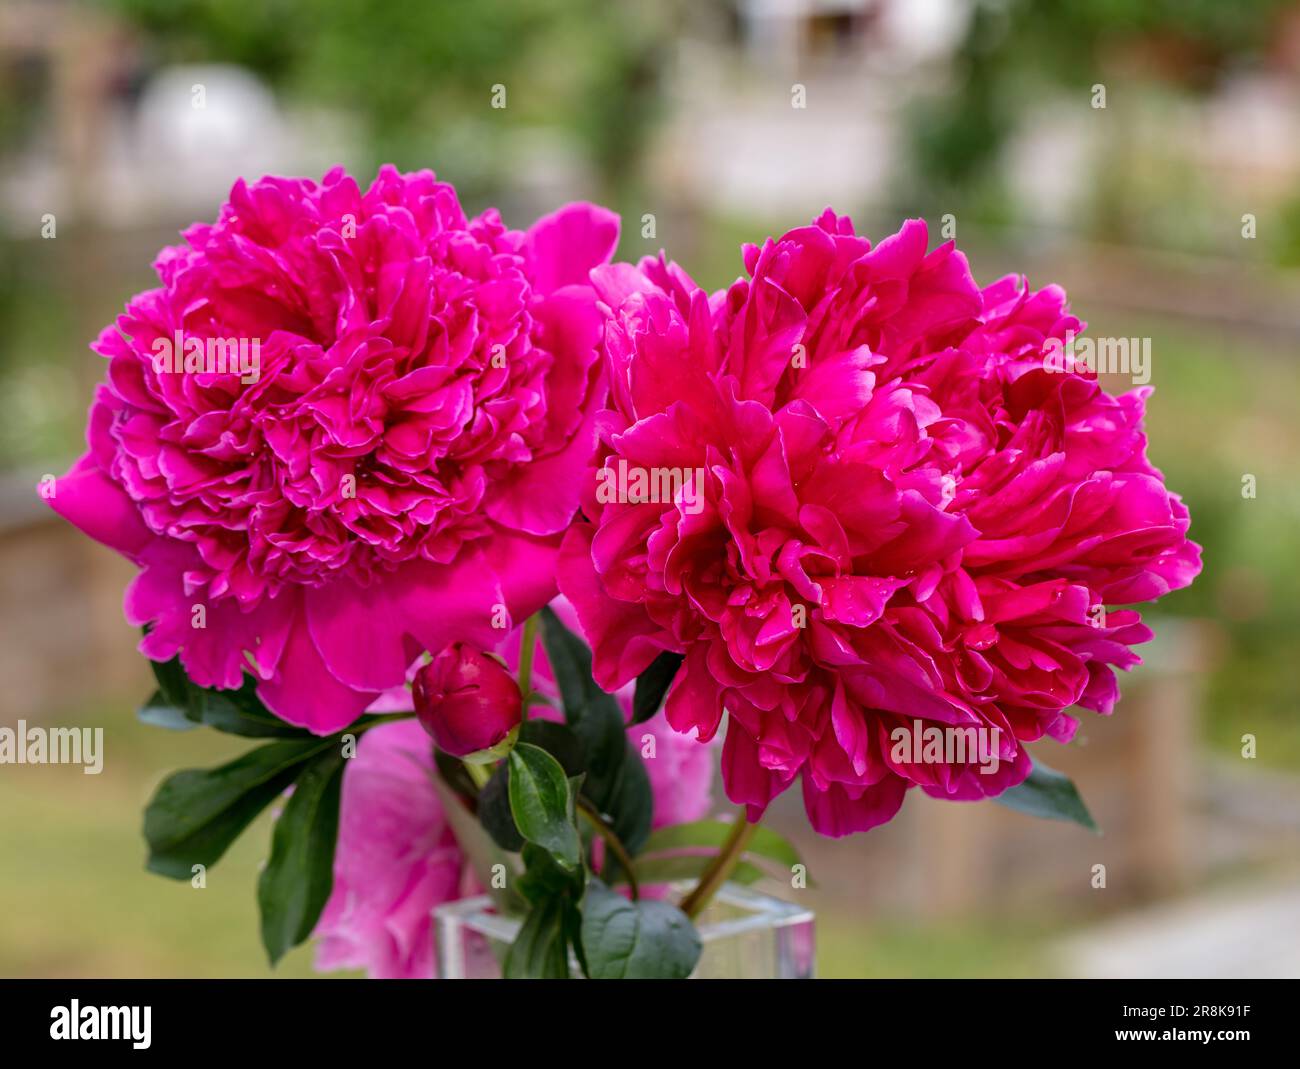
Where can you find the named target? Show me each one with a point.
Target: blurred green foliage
(1226, 406)
(413, 71)
(1015, 50)
(44, 416)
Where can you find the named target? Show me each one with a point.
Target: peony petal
(101, 508)
(562, 248)
(838, 811)
(305, 694)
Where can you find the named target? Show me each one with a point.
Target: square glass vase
(746, 935)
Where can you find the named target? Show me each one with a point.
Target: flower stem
(721, 867)
(480, 774)
(527, 647)
(612, 840)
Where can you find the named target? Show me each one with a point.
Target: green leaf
(296, 883)
(765, 842)
(635, 940)
(173, 684)
(159, 712)
(494, 812)
(197, 813)
(575, 789)
(558, 740)
(617, 783)
(1050, 794)
(241, 712)
(540, 950)
(540, 803)
(668, 868)
(653, 684)
(236, 712)
(572, 928)
(492, 802)
(570, 661)
(623, 794)
(543, 877)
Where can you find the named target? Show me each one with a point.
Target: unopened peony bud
(469, 703)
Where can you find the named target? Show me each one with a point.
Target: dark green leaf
(570, 661)
(173, 684)
(1048, 793)
(540, 950)
(558, 740)
(575, 789)
(544, 878)
(617, 783)
(635, 940)
(572, 927)
(161, 713)
(605, 744)
(626, 799)
(296, 882)
(236, 712)
(241, 712)
(494, 810)
(540, 803)
(653, 684)
(197, 813)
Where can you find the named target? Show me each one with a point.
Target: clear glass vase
(746, 935)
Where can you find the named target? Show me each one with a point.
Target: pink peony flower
(681, 772)
(876, 509)
(397, 859)
(397, 462)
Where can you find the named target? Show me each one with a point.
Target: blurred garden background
(1171, 213)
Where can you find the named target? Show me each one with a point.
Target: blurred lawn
(75, 899)
(913, 950)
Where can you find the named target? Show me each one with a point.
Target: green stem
(527, 647)
(721, 867)
(480, 774)
(612, 840)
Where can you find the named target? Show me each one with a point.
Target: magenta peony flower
(397, 859)
(348, 427)
(467, 701)
(850, 492)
